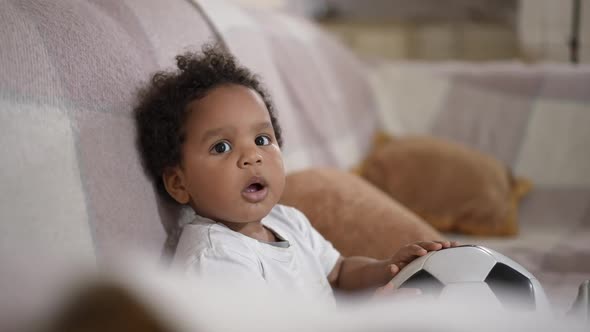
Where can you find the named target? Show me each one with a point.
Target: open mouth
(255, 190)
(254, 187)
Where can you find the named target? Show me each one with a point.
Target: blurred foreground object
(106, 307)
(139, 298)
(581, 306)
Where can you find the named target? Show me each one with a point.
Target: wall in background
(428, 40)
(544, 30)
(273, 4)
(473, 30)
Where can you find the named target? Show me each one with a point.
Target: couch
(73, 192)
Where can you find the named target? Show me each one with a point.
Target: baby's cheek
(279, 177)
(276, 159)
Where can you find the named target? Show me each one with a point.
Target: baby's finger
(454, 244)
(445, 244)
(418, 249)
(394, 269)
(384, 290)
(430, 245)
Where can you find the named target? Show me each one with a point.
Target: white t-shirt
(300, 263)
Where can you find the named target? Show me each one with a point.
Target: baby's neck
(253, 229)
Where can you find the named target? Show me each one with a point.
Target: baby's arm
(357, 272)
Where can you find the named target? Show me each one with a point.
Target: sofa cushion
(453, 187)
(351, 213)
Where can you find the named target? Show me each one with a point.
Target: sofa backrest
(71, 180)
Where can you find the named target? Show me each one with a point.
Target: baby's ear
(175, 184)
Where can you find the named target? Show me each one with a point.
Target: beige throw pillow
(453, 187)
(355, 216)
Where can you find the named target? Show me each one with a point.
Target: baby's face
(232, 167)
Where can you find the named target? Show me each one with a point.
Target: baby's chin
(255, 212)
(246, 213)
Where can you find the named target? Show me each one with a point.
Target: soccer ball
(475, 273)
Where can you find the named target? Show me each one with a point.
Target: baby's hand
(412, 251)
(400, 293)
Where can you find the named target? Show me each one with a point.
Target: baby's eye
(262, 140)
(221, 147)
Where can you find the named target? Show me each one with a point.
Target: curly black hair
(161, 111)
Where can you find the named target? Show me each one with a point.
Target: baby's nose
(250, 158)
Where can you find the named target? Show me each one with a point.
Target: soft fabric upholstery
(355, 216)
(72, 184)
(453, 187)
(72, 187)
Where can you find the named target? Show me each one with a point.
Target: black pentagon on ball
(512, 288)
(424, 281)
